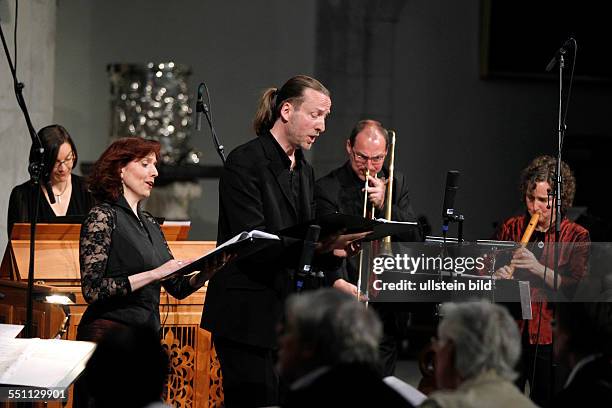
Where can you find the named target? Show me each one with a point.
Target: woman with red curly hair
(123, 253)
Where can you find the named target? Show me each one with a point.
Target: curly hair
(543, 169)
(105, 177)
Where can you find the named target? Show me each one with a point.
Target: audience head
(60, 153)
(582, 329)
(298, 109)
(475, 337)
(128, 368)
(105, 181)
(326, 327)
(367, 147)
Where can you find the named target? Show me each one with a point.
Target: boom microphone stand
(202, 107)
(36, 170)
(557, 190)
(561, 128)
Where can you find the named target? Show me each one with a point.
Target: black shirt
(20, 203)
(292, 176)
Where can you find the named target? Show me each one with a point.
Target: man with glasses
(343, 191)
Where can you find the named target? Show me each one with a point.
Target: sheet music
(246, 235)
(10, 350)
(411, 394)
(193, 268)
(177, 223)
(42, 362)
(396, 222)
(10, 330)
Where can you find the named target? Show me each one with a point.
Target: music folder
(334, 223)
(243, 245)
(383, 228)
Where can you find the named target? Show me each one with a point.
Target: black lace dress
(115, 244)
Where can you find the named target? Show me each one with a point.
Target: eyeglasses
(67, 161)
(362, 158)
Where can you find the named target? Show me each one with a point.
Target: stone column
(35, 68)
(355, 51)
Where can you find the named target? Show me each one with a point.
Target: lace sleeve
(93, 254)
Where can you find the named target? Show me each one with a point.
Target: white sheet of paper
(10, 330)
(43, 362)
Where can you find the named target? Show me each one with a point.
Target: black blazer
(346, 385)
(340, 191)
(244, 301)
(593, 382)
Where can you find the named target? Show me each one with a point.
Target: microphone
(452, 179)
(561, 51)
(305, 265)
(199, 107)
(35, 168)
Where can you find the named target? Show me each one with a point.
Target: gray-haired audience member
(329, 353)
(477, 347)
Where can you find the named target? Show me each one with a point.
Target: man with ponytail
(268, 185)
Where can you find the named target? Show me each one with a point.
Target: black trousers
(94, 331)
(249, 374)
(536, 365)
(394, 319)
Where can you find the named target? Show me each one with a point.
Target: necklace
(59, 196)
